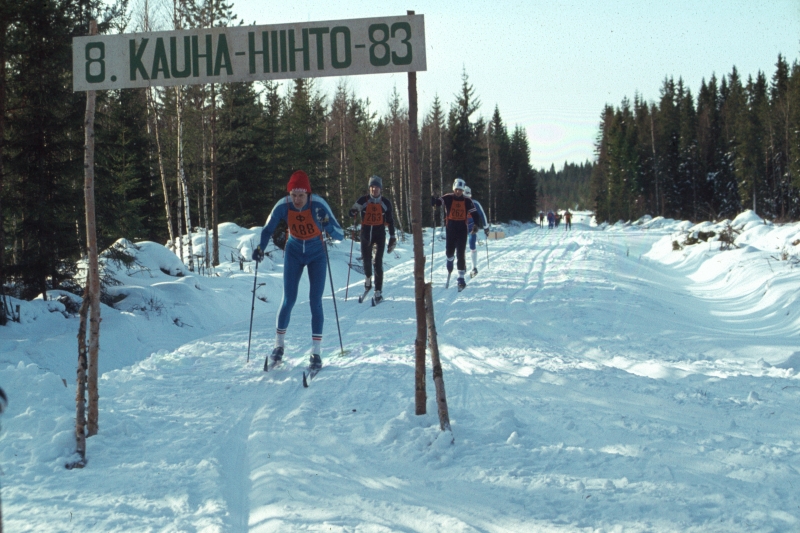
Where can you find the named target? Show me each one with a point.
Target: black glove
(258, 255)
(353, 212)
(433, 201)
(474, 230)
(392, 244)
(486, 231)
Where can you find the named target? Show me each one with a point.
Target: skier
(376, 212)
(457, 207)
(551, 219)
(541, 219)
(472, 229)
(307, 217)
(567, 220)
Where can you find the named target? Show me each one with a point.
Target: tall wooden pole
(91, 246)
(436, 364)
(420, 396)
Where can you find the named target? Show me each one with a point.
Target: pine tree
(793, 96)
(123, 186)
(667, 137)
(303, 128)
(780, 136)
(466, 154)
(240, 134)
(688, 182)
(750, 166)
(733, 104)
(599, 181)
(522, 176)
(709, 153)
(44, 147)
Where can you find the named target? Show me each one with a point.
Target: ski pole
(252, 308)
(352, 241)
(333, 294)
(487, 251)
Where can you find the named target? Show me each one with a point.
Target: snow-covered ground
(612, 378)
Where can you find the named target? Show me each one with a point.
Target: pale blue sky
(551, 66)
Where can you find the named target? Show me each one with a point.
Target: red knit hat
(299, 182)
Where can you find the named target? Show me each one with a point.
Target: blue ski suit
(311, 221)
(473, 237)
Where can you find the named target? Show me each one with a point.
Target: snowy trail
(591, 386)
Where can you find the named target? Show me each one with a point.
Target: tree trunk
(80, 389)
(655, 164)
(214, 184)
(438, 377)
(420, 396)
(152, 108)
(207, 254)
(93, 281)
(184, 185)
(3, 317)
(489, 172)
(441, 174)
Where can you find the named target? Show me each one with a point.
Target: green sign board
(249, 53)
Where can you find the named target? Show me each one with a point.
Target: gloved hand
(433, 201)
(353, 212)
(486, 231)
(258, 255)
(474, 230)
(392, 244)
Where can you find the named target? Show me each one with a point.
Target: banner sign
(249, 53)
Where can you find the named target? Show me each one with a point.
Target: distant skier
(567, 220)
(551, 219)
(457, 207)
(541, 219)
(307, 217)
(376, 213)
(472, 229)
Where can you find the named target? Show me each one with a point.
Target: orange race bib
(373, 215)
(458, 211)
(302, 226)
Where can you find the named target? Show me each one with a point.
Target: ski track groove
(534, 396)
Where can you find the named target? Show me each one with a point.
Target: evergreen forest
(735, 145)
(173, 160)
(567, 188)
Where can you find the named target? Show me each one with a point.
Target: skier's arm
(484, 220)
(325, 219)
(358, 207)
(279, 212)
(388, 217)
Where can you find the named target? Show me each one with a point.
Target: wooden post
(420, 396)
(438, 377)
(93, 281)
(80, 388)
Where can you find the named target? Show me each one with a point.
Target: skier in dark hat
(376, 215)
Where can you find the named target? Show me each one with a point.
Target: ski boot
(315, 362)
(462, 284)
(276, 358)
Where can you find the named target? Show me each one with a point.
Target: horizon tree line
(734, 146)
